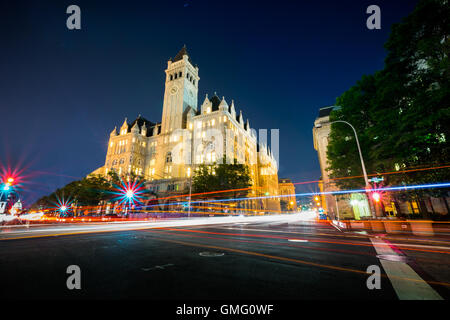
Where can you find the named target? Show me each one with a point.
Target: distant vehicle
(323, 216)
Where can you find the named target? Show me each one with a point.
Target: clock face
(174, 90)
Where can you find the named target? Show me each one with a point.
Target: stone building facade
(287, 189)
(167, 152)
(354, 206)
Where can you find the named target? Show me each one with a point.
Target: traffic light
(376, 197)
(8, 184)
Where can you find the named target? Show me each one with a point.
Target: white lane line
(398, 271)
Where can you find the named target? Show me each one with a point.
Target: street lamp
(366, 179)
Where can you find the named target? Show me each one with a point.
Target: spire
(206, 104)
(135, 127)
(232, 109)
(180, 54)
(241, 118)
(248, 125)
(223, 104)
(125, 124)
(114, 132)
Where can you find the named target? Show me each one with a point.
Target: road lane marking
(418, 289)
(310, 263)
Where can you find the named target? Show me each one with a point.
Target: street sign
(376, 179)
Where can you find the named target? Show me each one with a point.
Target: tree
(401, 113)
(223, 176)
(87, 191)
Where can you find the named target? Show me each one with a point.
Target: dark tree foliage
(401, 113)
(223, 176)
(89, 191)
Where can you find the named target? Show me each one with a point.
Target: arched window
(180, 74)
(171, 77)
(122, 161)
(169, 157)
(176, 75)
(114, 162)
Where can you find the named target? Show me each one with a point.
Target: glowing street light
(129, 194)
(63, 208)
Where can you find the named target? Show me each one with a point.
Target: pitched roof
(325, 111)
(140, 122)
(215, 101)
(180, 55)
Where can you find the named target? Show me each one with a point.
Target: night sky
(63, 91)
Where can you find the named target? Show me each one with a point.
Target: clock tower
(181, 91)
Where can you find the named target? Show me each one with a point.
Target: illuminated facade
(287, 188)
(168, 152)
(343, 206)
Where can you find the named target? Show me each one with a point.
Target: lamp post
(190, 195)
(366, 179)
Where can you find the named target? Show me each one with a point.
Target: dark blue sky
(62, 91)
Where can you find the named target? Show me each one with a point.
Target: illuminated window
(208, 110)
(213, 121)
(188, 171)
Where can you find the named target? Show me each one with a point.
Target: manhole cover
(393, 257)
(211, 254)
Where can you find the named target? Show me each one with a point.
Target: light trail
(394, 188)
(378, 174)
(310, 240)
(137, 225)
(157, 231)
(298, 261)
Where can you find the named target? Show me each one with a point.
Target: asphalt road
(277, 259)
